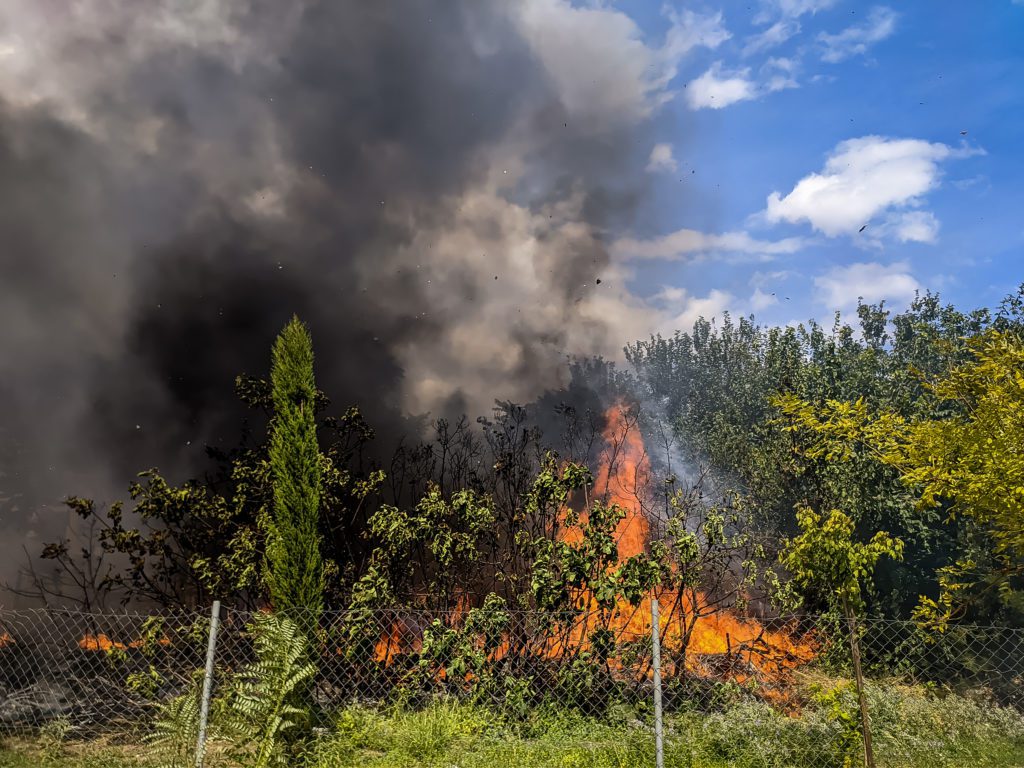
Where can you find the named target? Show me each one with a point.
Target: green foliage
(825, 558)
(575, 561)
(461, 656)
(178, 544)
(837, 704)
(255, 714)
(262, 717)
(712, 560)
(966, 461)
(914, 728)
(431, 546)
(145, 684)
(52, 738)
(556, 554)
(294, 567)
(917, 729)
(405, 737)
(482, 511)
(717, 384)
(185, 545)
(176, 731)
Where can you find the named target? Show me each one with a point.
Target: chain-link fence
(781, 690)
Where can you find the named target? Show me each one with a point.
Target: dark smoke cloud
(429, 183)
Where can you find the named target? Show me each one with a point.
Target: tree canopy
(908, 423)
(968, 460)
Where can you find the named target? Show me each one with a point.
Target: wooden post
(858, 674)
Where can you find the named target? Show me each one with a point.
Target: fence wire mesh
(771, 691)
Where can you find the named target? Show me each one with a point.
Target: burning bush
(577, 621)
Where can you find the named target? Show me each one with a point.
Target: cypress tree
(294, 568)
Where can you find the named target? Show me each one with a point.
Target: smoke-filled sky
(431, 185)
(437, 186)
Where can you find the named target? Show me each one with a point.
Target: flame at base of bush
(701, 642)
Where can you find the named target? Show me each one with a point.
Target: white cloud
(790, 9)
(856, 40)
(690, 242)
(863, 178)
(760, 300)
(690, 30)
(841, 287)
(916, 226)
(681, 309)
(717, 88)
(598, 61)
(800, 7)
(772, 37)
(661, 159)
(779, 74)
(980, 183)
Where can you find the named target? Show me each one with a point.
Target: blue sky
(845, 115)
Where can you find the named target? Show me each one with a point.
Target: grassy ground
(912, 729)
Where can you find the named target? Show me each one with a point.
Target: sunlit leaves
(970, 461)
(826, 558)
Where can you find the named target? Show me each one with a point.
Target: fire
(6, 639)
(697, 638)
(401, 638)
(625, 469)
(99, 642)
(405, 636)
(102, 642)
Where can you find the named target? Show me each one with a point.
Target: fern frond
(263, 706)
(175, 732)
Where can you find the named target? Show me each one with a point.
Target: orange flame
(715, 639)
(102, 642)
(6, 639)
(716, 644)
(400, 639)
(99, 642)
(625, 469)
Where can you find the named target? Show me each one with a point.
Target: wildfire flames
(6, 639)
(717, 636)
(625, 468)
(718, 644)
(102, 642)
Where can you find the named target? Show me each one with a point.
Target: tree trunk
(865, 721)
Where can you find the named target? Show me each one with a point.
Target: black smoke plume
(411, 177)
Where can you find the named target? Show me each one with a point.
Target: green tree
(967, 461)
(294, 566)
(436, 547)
(183, 545)
(716, 383)
(826, 558)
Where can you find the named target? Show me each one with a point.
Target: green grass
(913, 729)
(29, 754)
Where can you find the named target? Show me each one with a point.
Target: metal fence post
(659, 743)
(204, 705)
